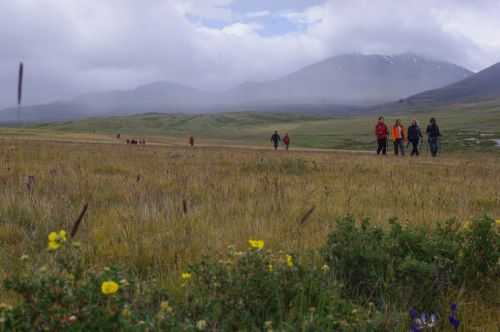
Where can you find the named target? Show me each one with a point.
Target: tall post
(19, 92)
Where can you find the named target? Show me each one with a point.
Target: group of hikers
(276, 139)
(400, 135)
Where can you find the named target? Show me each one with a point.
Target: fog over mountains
(352, 79)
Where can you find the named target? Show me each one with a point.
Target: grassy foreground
(155, 210)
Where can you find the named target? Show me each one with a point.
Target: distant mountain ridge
(352, 79)
(485, 85)
(357, 80)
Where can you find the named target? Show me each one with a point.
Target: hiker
(191, 141)
(433, 136)
(286, 140)
(118, 136)
(398, 137)
(381, 133)
(414, 136)
(275, 139)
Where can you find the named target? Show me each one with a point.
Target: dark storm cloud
(76, 46)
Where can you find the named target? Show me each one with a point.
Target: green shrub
(258, 288)
(410, 265)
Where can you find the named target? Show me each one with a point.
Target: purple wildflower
(454, 321)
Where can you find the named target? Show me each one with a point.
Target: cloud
(75, 46)
(261, 13)
(241, 29)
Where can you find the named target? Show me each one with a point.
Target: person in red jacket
(286, 140)
(381, 132)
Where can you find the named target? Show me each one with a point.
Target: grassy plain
(464, 127)
(136, 216)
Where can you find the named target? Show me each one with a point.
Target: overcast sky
(71, 47)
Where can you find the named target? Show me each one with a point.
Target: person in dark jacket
(381, 133)
(433, 135)
(414, 136)
(276, 139)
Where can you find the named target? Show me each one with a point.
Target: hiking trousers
(433, 145)
(382, 146)
(414, 151)
(399, 147)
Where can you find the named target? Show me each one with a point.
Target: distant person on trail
(286, 140)
(433, 135)
(398, 137)
(191, 141)
(414, 136)
(381, 133)
(276, 139)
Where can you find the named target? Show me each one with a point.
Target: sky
(74, 47)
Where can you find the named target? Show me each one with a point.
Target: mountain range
(340, 82)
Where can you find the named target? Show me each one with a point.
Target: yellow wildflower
(270, 267)
(256, 244)
(289, 261)
(497, 222)
(109, 287)
(53, 245)
(53, 236)
(62, 235)
(186, 276)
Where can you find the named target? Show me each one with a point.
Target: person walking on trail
(191, 141)
(276, 139)
(381, 132)
(433, 135)
(286, 140)
(398, 137)
(414, 136)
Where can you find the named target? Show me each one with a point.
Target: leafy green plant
(411, 265)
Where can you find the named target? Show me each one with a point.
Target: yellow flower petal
(289, 261)
(186, 276)
(53, 236)
(62, 235)
(256, 244)
(53, 245)
(109, 287)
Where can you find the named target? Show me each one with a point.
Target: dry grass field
(156, 209)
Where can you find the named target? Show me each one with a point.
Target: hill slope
(484, 85)
(356, 79)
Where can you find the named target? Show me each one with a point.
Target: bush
(258, 289)
(410, 265)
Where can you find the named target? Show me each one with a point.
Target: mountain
(347, 80)
(355, 79)
(154, 97)
(482, 86)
